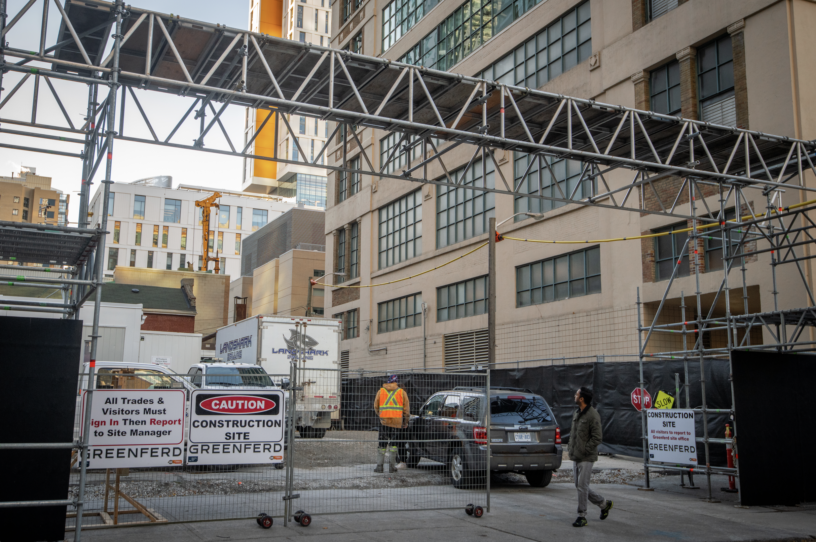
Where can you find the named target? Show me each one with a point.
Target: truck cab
(219, 375)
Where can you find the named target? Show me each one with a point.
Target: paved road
(518, 513)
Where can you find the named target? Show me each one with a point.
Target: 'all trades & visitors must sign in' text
(136, 428)
(672, 437)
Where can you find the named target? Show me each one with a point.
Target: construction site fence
(327, 468)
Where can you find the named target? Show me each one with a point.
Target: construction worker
(391, 405)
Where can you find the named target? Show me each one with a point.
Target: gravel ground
(328, 463)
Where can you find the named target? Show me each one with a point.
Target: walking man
(585, 436)
(391, 405)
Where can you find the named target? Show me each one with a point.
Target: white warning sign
(236, 427)
(136, 428)
(672, 437)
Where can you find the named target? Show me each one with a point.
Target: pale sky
(131, 160)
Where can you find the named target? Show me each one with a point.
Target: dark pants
(390, 436)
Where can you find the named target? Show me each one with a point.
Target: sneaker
(580, 522)
(605, 510)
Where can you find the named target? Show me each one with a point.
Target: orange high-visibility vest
(390, 403)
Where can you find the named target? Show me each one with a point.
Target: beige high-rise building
(742, 63)
(28, 197)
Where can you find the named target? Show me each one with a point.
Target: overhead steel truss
(437, 111)
(128, 49)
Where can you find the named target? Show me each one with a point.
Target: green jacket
(585, 435)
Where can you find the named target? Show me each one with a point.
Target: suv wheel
(539, 478)
(456, 468)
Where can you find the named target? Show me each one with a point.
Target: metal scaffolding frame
(434, 111)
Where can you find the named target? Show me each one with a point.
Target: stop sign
(636, 398)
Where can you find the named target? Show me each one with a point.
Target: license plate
(522, 437)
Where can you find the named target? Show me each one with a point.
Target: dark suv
(451, 429)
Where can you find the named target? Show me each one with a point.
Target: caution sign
(664, 400)
(136, 428)
(672, 437)
(236, 427)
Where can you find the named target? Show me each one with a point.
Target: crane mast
(207, 204)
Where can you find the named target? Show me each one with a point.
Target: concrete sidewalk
(522, 513)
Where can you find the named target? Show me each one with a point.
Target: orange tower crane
(206, 205)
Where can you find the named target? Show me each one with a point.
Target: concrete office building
(28, 197)
(154, 226)
(306, 21)
(735, 62)
(277, 263)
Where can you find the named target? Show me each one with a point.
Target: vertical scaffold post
(491, 339)
(644, 434)
(100, 260)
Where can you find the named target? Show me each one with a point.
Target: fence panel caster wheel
(305, 520)
(298, 515)
(469, 509)
(266, 522)
(478, 512)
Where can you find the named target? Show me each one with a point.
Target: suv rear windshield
(519, 410)
(236, 376)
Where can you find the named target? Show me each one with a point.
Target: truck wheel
(539, 478)
(318, 433)
(305, 432)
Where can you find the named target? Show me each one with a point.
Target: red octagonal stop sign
(635, 396)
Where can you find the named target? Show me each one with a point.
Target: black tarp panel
(776, 418)
(612, 383)
(40, 361)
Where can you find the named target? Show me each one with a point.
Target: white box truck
(177, 351)
(274, 342)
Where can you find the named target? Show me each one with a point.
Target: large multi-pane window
(463, 299)
(223, 216)
(715, 76)
(556, 49)
(139, 207)
(172, 210)
(570, 275)
(350, 323)
(155, 236)
(349, 7)
(354, 268)
(239, 217)
(223, 266)
(165, 235)
(400, 234)
(311, 190)
(220, 242)
(111, 200)
(117, 226)
(150, 259)
(169, 266)
(668, 250)
(402, 313)
(664, 88)
(211, 241)
(341, 254)
(715, 258)
(355, 44)
(559, 47)
(237, 244)
(113, 258)
(302, 126)
(462, 213)
(133, 257)
(660, 7)
(259, 218)
(184, 238)
(400, 16)
(561, 180)
(348, 183)
(402, 157)
(300, 17)
(138, 235)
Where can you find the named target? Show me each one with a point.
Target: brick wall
(340, 296)
(688, 83)
(175, 323)
(639, 13)
(666, 189)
